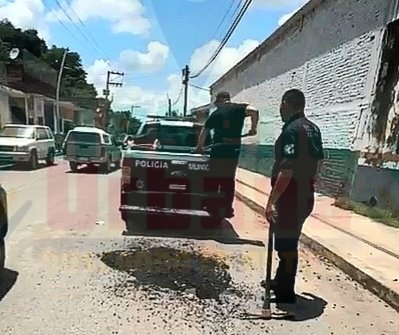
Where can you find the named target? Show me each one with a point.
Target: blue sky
(150, 40)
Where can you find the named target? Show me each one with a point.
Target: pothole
(161, 267)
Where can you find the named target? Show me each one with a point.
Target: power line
(200, 88)
(179, 97)
(227, 13)
(226, 38)
(62, 23)
(84, 26)
(77, 27)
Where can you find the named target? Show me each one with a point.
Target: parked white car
(92, 146)
(27, 144)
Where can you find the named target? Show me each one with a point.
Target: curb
(380, 290)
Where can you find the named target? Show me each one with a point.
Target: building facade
(343, 54)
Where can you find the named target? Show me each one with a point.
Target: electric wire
(62, 23)
(225, 39)
(199, 87)
(178, 97)
(78, 28)
(84, 26)
(227, 13)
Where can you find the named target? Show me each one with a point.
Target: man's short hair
(295, 99)
(223, 96)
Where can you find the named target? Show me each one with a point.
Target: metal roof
(177, 123)
(89, 130)
(25, 125)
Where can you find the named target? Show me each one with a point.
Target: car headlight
(22, 149)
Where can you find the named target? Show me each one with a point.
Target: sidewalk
(365, 250)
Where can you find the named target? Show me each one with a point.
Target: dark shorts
(224, 160)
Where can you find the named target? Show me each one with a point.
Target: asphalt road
(71, 271)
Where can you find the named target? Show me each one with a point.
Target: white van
(91, 146)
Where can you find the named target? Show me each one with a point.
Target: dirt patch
(173, 269)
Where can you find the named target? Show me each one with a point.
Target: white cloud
(285, 18)
(97, 74)
(126, 16)
(153, 101)
(228, 57)
(151, 61)
(26, 14)
(273, 4)
(129, 61)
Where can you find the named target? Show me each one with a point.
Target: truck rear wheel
(73, 166)
(106, 167)
(50, 158)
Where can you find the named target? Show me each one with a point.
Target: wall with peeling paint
(330, 50)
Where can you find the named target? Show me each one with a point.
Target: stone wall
(330, 50)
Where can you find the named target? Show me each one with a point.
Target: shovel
(266, 312)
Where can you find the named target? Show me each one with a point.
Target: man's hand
(271, 213)
(198, 150)
(253, 113)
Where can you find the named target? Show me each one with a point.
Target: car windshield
(84, 137)
(19, 132)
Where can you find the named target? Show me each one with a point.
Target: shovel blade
(267, 314)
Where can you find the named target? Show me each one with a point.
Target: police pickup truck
(162, 175)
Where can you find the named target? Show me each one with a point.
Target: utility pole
(186, 73)
(169, 106)
(106, 93)
(57, 94)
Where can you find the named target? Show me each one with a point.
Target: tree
(74, 77)
(16, 38)
(125, 123)
(75, 87)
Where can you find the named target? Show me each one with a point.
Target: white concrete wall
(333, 58)
(4, 109)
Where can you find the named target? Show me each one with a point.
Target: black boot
(284, 298)
(273, 284)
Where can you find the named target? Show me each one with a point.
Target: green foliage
(124, 123)
(22, 39)
(74, 78)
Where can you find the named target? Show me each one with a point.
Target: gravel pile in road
(178, 284)
(173, 269)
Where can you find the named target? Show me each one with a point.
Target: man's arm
(205, 130)
(289, 152)
(283, 180)
(253, 113)
(202, 137)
